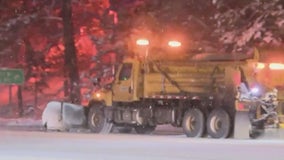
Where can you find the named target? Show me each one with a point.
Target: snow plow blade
(242, 125)
(63, 116)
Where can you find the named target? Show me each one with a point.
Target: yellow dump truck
(201, 95)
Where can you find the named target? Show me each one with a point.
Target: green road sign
(11, 76)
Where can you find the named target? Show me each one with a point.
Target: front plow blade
(242, 125)
(63, 116)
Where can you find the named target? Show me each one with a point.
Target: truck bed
(187, 78)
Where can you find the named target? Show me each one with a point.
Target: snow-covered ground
(36, 145)
(21, 122)
(30, 124)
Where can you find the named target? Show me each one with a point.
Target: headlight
(98, 95)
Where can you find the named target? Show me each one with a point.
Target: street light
(174, 43)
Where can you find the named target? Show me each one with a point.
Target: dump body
(207, 80)
(189, 78)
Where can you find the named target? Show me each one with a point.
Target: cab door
(123, 86)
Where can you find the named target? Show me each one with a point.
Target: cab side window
(125, 72)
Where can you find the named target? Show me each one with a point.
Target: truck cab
(128, 84)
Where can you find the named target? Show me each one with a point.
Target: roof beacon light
(142, 42)
(260, 66)
(174, 43)
(276, 66)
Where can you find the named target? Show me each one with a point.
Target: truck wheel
(144, 129)
(193, 123)
(97, 121)
(218, 124)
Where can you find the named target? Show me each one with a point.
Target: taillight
(276, 66)
(240, 107)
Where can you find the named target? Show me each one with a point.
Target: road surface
(40, 145)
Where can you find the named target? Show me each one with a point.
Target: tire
(144, 129)
(97, 121)
(218, 124)
(193, 123)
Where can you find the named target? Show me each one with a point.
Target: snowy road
(36, 145)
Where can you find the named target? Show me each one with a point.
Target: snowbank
(24, 122)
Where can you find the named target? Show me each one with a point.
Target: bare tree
(71, 71)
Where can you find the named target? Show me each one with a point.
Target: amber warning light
(272, 66)
(276, 66)
(260, 65)
(174, 43)
(142, 42)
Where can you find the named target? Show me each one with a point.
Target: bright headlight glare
(98, 95)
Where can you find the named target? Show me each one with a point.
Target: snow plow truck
(218, 96)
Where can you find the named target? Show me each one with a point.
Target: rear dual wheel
(218, 124)
(193, 123)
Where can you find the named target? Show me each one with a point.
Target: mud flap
(63, 116)
(242, 125)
